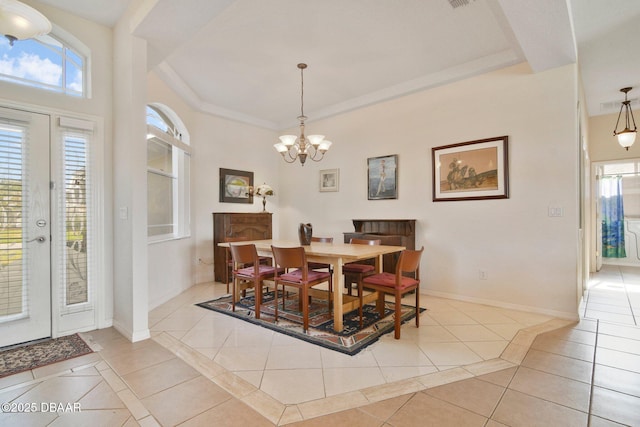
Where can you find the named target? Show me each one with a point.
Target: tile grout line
(626, 292)
(593, 372)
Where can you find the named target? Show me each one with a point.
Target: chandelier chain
(301, 91)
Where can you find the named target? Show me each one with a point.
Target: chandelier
(627, 136)
(292, 147)
(19, 21)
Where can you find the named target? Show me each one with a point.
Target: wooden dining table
(336, 254)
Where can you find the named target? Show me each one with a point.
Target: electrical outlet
(482, 274)
(555, 211)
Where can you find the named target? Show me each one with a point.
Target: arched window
(168, 175)
(46, 62)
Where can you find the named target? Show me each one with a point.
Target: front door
(25, 237)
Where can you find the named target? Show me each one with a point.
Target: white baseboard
(130, 335)
(560, 314)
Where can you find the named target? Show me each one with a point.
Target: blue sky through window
(42, 63)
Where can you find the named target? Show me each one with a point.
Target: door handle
(39, 239)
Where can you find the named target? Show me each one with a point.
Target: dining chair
(249, 277)
(321, 265)
(354, 272)
(298, 275)
(228, 261)
(397, 285)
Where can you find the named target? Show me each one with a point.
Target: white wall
(221, 143)
(216, 143)
(131, 295)
(170, 264)
(530, 258)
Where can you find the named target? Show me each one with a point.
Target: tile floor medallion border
(282, 414)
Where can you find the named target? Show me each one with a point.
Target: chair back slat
(244, 254)
(371, 242)
(322, 239)
(290, 257)
(409, 262)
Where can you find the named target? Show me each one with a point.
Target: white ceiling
(237, 58)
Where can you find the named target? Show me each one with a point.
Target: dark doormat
(22, 358)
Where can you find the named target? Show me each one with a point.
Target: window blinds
(13, 211)
(75, 237)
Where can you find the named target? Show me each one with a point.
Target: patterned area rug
(350, 341)
(36, 355)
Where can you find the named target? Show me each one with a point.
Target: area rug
(31, 356)
(350, 341)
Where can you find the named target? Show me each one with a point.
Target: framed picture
(236, 186)
(329, 179)
(473, 170)
(382, 177)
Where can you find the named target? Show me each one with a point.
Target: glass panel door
(25, 283)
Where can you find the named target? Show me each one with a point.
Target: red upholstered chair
(397, 285)
(354, 272)
(248, 277)
(298, 275)
(229, 262)
(321, 265)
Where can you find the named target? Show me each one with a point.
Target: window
(74, 214)
(168, 170)
(44, 62)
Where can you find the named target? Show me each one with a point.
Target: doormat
(350, 341)
(31, 356)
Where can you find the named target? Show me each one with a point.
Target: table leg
(338, 286)
(380, 300)
(258, 297)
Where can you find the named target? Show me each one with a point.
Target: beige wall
(167, 279)
(530, 258)
(216, 143)
(220, 143)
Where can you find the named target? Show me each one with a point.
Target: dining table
(336, 254)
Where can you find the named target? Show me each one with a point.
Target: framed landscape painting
(236, 186)
(382, 177)
(473, 170)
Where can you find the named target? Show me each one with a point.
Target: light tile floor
(467, 364)
(614, 295)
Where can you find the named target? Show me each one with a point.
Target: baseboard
(559, 314)
(130, 335)
(172, 293)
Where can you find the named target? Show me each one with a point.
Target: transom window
(44, 62)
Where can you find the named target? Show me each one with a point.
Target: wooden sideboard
(255, 226)
(395, 232)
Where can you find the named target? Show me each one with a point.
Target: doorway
(617, 196)
(613, 291)
(25, 231)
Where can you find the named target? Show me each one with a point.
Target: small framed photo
(382, 177)
(473, 170)
(329, 179)
(236, 186)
